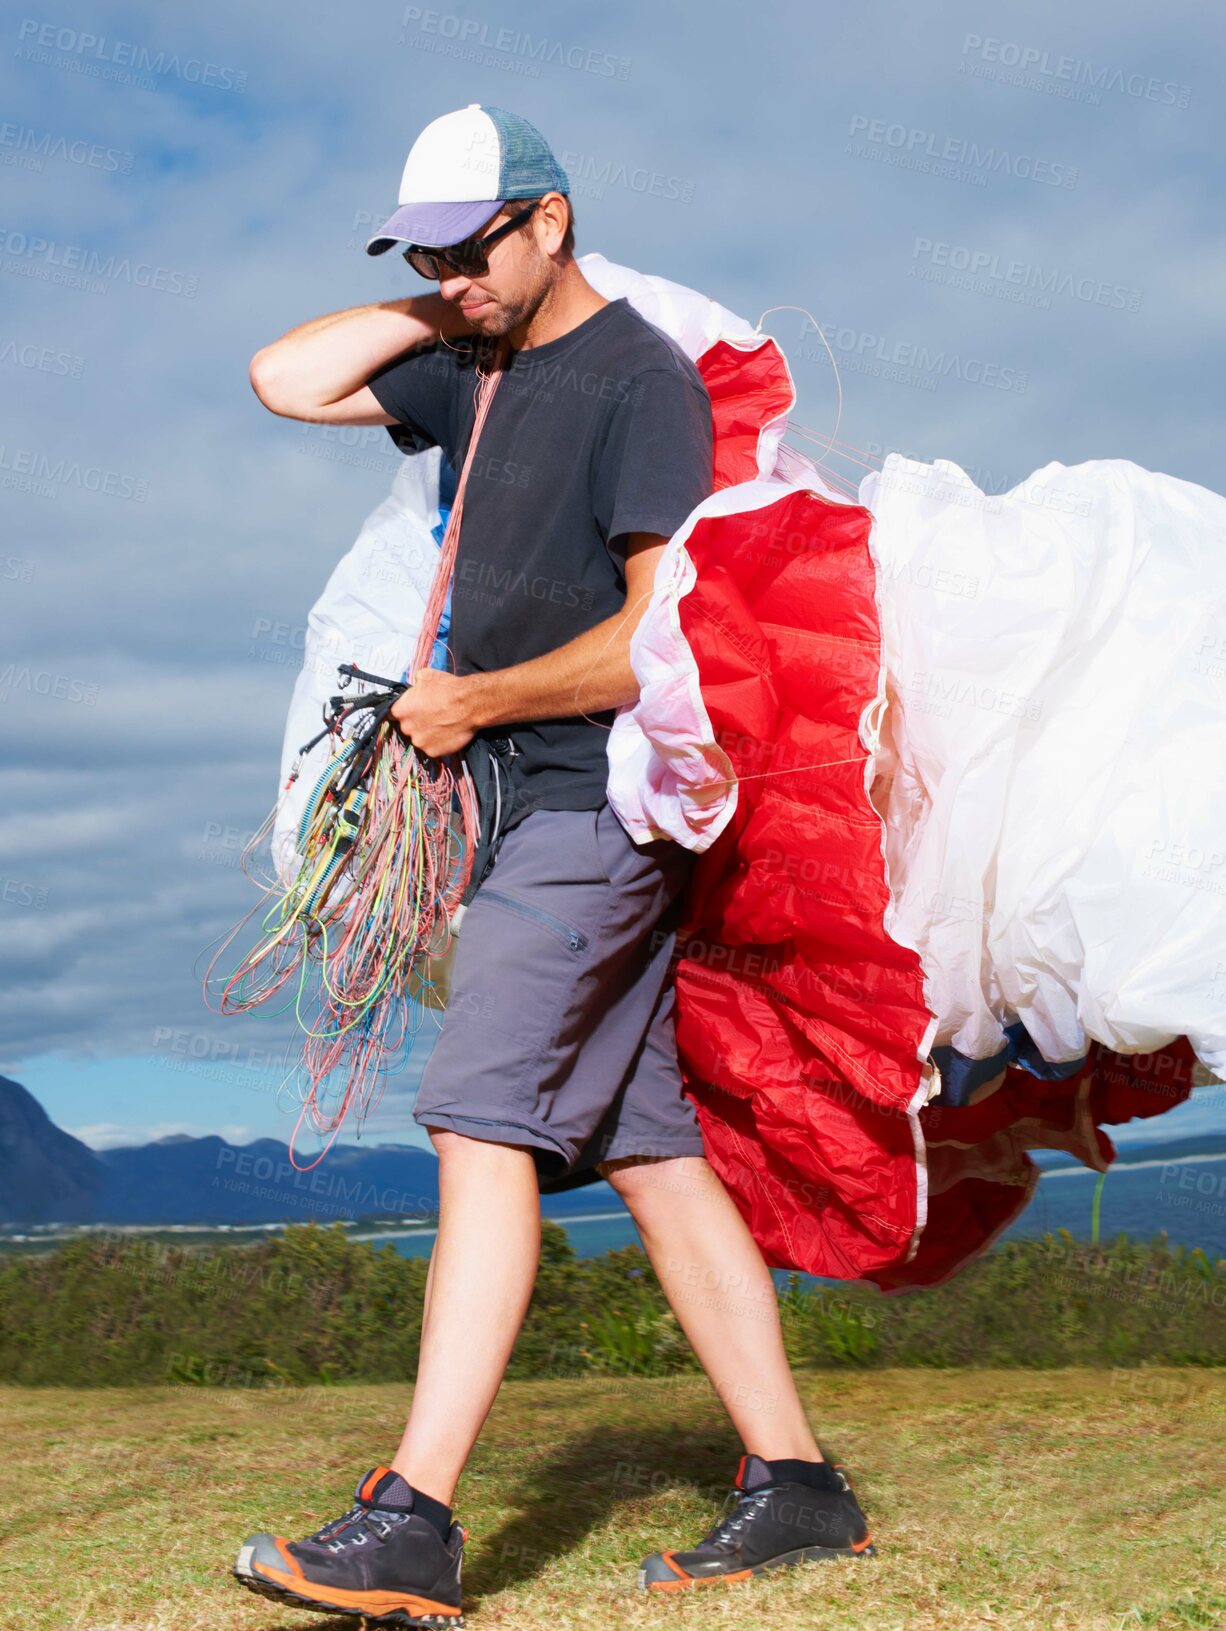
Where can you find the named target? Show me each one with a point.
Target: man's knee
(453, 1146)
(640, 1177)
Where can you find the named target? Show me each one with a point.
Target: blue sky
(848, 160)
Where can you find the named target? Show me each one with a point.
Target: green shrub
(314, 1306)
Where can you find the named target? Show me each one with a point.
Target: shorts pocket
(574, 938)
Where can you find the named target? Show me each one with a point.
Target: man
(557, 1053)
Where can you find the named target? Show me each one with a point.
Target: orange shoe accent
(862, 1545)
(368, 1488)
(282, 1546)
(373, 1602)
(740, 1469)
(684, 1581)
(691, 1580)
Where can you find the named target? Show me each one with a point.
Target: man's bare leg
(482, 1271)
(721, 1291)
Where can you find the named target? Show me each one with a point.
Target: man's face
(520, 274)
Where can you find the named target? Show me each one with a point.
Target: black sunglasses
(469, 258)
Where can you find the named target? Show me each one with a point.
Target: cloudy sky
(221, 164)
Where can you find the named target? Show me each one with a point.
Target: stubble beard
(511, 314)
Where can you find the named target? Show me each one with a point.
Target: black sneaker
(378, 1562)
(770, 1526)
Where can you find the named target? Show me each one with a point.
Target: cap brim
(434, 226)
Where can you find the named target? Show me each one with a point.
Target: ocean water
(1185, 1198)
(590, 1233)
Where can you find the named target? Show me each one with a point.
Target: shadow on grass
(580, 1486)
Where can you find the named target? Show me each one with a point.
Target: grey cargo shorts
(558, 1032)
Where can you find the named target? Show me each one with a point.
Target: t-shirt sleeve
(420, 392)
(656, 463)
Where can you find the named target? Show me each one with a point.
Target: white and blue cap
(459, 173)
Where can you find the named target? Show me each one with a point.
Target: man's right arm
(318, 371)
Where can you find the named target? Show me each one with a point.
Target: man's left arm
(440, 713)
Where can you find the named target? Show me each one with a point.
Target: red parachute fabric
(801, 1024)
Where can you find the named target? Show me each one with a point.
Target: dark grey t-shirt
(603, 432)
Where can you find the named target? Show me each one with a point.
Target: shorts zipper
(573, 938)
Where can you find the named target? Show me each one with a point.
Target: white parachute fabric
(368, 614)
(1052, 769)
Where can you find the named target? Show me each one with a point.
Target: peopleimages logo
(449, 33)
(54, 45)
(27, 354)
(1036, 68)
(987, 272)
(907, 361)
(40, 682)
(75, 266)
(962, 153)
(591, 177)
(24, 468)
(28, 147)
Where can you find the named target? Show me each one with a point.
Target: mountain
(206, 1180)
(46, 1175)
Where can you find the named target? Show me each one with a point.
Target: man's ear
(552, 212)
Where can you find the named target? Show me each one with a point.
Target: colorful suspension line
(385, 843)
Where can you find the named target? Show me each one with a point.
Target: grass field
(1007, 1499)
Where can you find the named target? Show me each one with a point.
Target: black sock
(434, 1512)
(817, 1474)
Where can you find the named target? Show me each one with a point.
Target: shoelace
(370, 1521)
(745, 1510)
